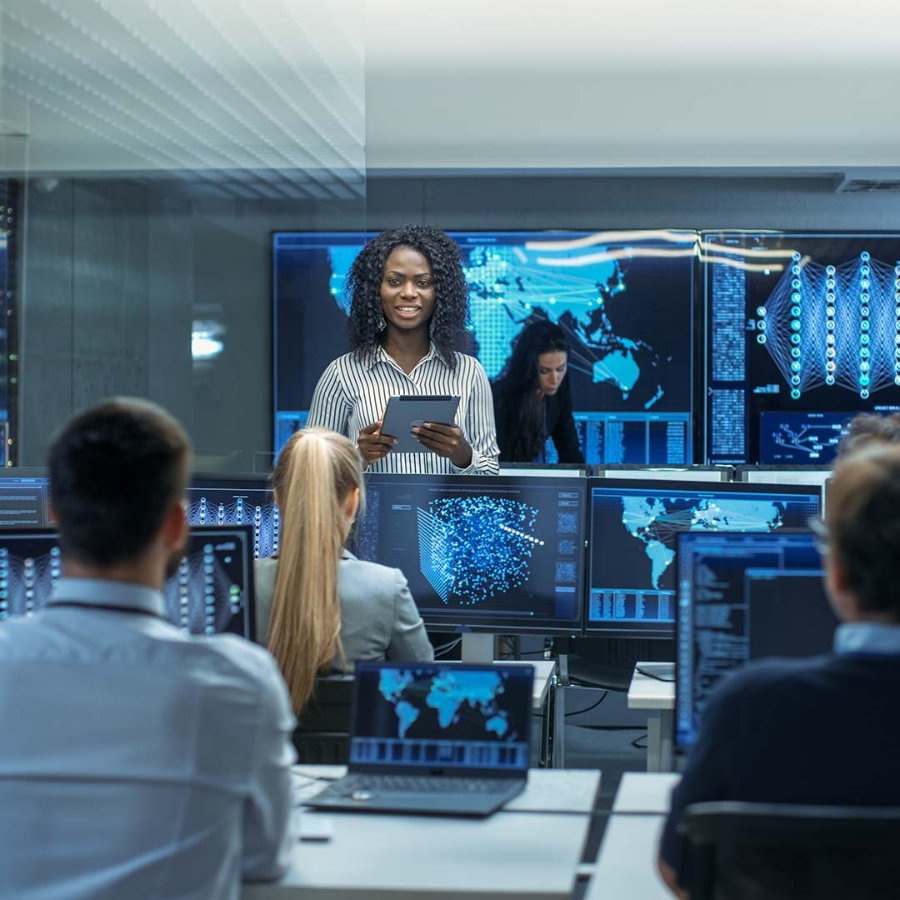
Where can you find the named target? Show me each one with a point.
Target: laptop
(435, 738)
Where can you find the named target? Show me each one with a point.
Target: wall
(114, 273)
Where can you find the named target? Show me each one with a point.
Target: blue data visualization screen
(452, 716)
(625, 300)
(743, 597)
(803, 332)
(211, 591)
(502, 554)
(633, 541)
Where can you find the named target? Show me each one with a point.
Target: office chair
(322, 736)
(767, 851)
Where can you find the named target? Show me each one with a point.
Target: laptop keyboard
(420, 784)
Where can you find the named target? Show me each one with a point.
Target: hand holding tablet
(423, 423)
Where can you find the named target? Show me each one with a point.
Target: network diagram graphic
(474, 548)
(26, 581)
(809, 440)
(191, 594)
(834, 325)
(265, 520)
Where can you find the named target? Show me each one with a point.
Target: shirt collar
(103, 592)
(380, 355)
(867, 637)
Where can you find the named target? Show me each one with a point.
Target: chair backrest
(751, 851)
(322, 736)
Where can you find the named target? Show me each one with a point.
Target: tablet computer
(404, 412)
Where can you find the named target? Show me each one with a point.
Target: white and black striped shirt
(353, 393)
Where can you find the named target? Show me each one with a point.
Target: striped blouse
(353, 393)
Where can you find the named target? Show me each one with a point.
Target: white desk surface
(549, 790)
(527, 850)
(626, 866)
(645, 792)
(651, 693)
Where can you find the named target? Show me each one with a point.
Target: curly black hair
(447, 328)
(515, 389)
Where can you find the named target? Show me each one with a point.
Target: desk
(645, 792)
(626, 864)
(530, 849)
(651, 693)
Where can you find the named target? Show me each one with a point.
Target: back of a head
(116, 471)
(870, 428)
(520, 373)
(863, 520)
(316, 472)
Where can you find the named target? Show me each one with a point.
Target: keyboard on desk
(423, 794)
(423, 784)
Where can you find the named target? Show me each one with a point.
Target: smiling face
(551, 371)
(407, 290)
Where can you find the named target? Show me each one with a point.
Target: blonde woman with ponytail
(319, 607)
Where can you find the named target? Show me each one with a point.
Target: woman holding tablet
(408, 310)
(533, 400)
(318, 606)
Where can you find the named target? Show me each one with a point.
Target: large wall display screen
(625, 300)
(803, 332)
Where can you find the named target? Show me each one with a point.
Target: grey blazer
(379, 619)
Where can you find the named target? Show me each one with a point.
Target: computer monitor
(625, 300)
(633, 541)
(210, 593)
(647, 473)
(743, 597)
(237, 500)
(801, 334)
(24, 497)
(482, 554)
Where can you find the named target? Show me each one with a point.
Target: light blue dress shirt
(137, 761)
(868, 638)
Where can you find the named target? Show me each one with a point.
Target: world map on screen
(656, 520)
(473, 695)
(584, 290)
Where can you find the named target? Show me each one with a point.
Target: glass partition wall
(149, 149)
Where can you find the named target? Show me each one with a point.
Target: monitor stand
(478, 648)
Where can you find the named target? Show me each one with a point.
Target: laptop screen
(459, 718)
(743, 597)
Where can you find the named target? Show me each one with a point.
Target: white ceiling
(299, 97)
(632, 84)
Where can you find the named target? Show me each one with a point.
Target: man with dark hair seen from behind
(820, 731)
(136, 761)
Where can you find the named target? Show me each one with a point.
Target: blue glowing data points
(760, 339)
(796, 257)
(761, 325)
(474, 548)
(795, 324)
(795, 394)
(760, 310)
(795, 311)
(864, 394)
(795, 270)
(864, 256)
(795, 352)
